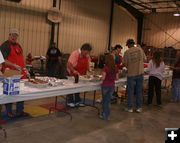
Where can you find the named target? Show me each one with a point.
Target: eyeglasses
(14, 35)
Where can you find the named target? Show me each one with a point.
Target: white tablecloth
(69, 87)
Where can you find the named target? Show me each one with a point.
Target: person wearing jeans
(19, 108)
(107, 91)
(116, 52)
(176, 90)
(133, 60)
(109, 75)
(135, 83)
(14, 60)
(176, 80)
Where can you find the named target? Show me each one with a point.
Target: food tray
(52, 81)
(90, 78)
(36, 84)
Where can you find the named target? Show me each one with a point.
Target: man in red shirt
(118, 58)
(78, 64)
(13, 55)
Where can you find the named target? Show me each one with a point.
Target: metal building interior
(153, 24)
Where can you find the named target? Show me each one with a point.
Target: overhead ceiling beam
(160, 8)
(154, 2)
(139, 4)
(144, 3)
(137, 14)
(176, 3)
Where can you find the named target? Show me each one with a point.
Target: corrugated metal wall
(124, 27)
(84, 21)
(161, 30)
(29, 17)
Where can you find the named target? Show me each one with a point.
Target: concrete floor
(86, 127)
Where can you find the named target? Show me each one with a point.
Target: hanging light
(177, 13)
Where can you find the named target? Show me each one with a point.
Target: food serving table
(30, 93)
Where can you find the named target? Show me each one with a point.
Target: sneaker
(102, 116)
(72, 105)
(98, 100)
(129, 110)
(139, 110)
(159, 105)
(79, 104)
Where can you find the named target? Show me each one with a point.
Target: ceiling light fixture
(176, 14)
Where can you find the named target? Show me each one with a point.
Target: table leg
(91, 105)
(56, 109)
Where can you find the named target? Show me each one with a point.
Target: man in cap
(13, 55)
(133, 60)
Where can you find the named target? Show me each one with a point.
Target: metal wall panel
(161, 30)
(29, 17)
(84, 21)
(124, 27)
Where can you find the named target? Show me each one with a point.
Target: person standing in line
(78, 64)
(14, 59)
(116, 52)
(156, 69)
(176, 80)
(109, 75)
(118, 57)
(133, 60)
(53, 57)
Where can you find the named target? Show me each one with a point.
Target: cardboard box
(11, 81)
(1, 88)
(1, 84)
(1, 78)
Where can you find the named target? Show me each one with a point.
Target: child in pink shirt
(109, 75)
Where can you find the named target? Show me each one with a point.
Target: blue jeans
(19, 107)
(134, 91)
(107, 92)
(176, 89)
